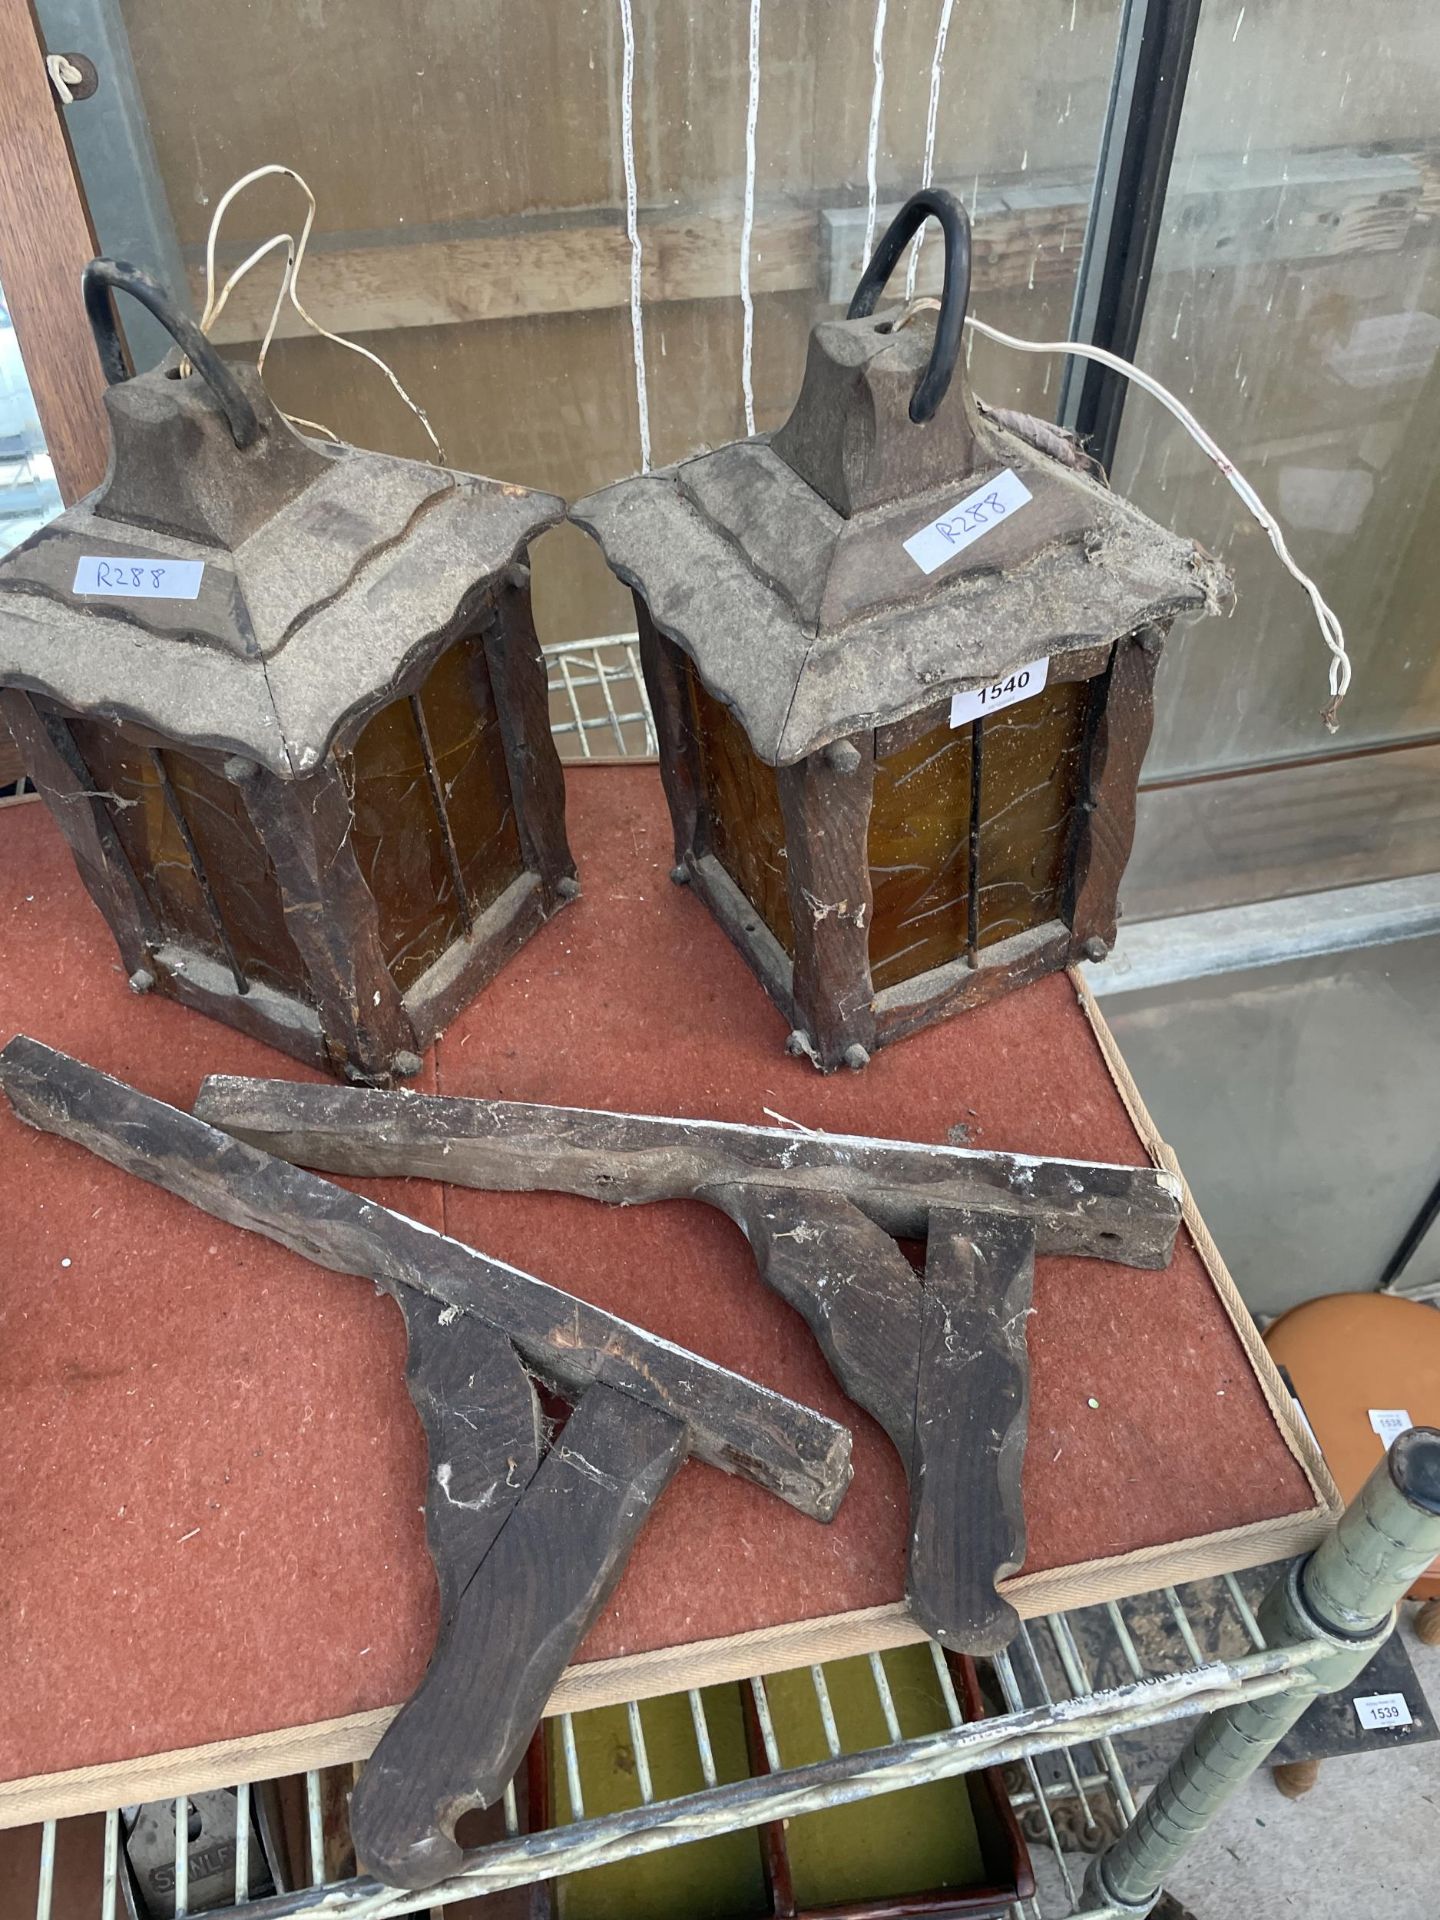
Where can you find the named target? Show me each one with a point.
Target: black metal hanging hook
(954, 297)
(102, 280)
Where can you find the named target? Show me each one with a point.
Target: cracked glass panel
(919, 852)
(236, 865)
(126, 780)
(399, 838)
(240, 874)
(920, 832)
(1029, 778)
(469, 749)
(742, 803)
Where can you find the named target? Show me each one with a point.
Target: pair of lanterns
(287, 704)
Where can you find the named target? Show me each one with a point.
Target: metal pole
(1342, 1599)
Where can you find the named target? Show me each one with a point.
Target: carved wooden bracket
(527, 1542)
(940, 1364)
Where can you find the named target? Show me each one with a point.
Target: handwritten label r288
(967, 521)
(135, 577)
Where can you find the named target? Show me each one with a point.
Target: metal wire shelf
(1050, 1722)
(598, 706)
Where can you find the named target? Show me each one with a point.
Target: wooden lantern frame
(825, 991)
(331, 582)
(778, 572)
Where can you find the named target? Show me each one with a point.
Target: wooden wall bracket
(527, 1542)
(941, 1365)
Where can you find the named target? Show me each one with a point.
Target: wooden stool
(1347, 1353)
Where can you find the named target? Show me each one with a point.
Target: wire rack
(598, 708)
(1053, 1730)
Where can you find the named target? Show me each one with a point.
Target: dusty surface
(211, 1472)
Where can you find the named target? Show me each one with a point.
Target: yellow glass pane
(469, 749)
(1029, 778)
(919, 855)
(240, 874)
(741, 800)
(919, 846)
(399, 839)
(126, 780)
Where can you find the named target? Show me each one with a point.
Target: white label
(1023, 684)
(137, 578)
(967, 521)
(1390, 1423)
(1382, 1710)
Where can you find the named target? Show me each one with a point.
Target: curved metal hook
(955, 295)
(102, 280)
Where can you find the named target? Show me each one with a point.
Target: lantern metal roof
(778, 563)
(328, 573)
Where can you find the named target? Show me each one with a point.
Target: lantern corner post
(1117, 734)
(663, 665)
(53, 763)
(537, 780)
(825, 800)
(1338, 1601)
(306, 825)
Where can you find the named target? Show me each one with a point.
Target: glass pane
(471, 168)
(1029, 776)
(741, 798)
(431, 876)
(28, 493)
(919, 851)
(1295, 307)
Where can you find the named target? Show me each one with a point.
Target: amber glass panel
(469, 751)
(920, 832)
(240, 874)
(742, 803)
(126, 779)
(920, 855)
(399, 838)
(1029, 776)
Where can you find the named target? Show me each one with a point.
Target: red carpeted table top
(210, 1471)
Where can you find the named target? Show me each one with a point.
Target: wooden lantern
(901, 657)
(286, 703)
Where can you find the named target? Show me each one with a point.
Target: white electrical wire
(632, 228)
(1325, 616)
(872, 150)
(289, 290)
(747, 224)
(932, 117)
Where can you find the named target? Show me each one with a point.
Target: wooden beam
(733, 1423)
(578, 265)
(1125, 1214)
(46, 242)
(1028, 233)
